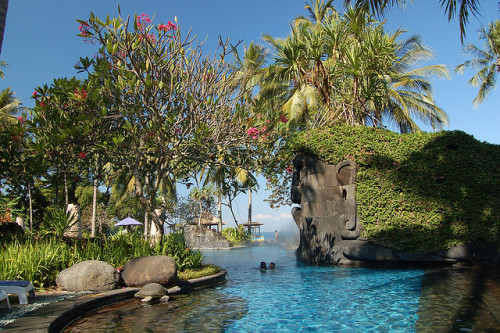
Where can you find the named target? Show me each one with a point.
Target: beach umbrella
(128, 221)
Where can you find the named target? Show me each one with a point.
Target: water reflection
(460, 299)
(207, 311)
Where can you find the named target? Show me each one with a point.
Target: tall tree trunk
(249, 211)
(201, 211)
(57, 187)
(30, 205)
(146, 189)
(4, 5)
(94, 206)
(219, 212)
(66, 195)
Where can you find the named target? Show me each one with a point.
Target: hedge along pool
(295, 297)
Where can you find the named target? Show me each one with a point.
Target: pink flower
(142, 20)
(289, 169)
(253, 132)
(82, 155)
(283, 119)
(84, 29)
(21, 120)
(35, 95)
(167, 27)
(263, 129)
(152, 38)
(81, 94)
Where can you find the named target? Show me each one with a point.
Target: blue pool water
(298, 298)
(295, 297)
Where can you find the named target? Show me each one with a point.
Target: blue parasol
(127, 221)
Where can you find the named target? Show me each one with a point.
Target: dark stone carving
(330, 228)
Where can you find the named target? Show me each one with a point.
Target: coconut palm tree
(409, 93)
(464, 8)
(9, 106)
(4, 5)
(347, 69)
(486, 60)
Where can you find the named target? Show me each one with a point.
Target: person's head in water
(263, 265)
(272, 265)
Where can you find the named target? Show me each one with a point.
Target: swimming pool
(300, 298)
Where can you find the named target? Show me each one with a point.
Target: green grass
(205, 270)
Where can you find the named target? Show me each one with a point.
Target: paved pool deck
(55, 317)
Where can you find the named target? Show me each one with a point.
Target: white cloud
(269, 217)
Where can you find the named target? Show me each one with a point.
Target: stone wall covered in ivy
(417, 193)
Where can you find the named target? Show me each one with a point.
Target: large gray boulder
(140, 271)
(91, 275)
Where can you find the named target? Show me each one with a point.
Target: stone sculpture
(328, 214)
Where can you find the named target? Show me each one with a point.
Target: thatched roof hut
(208, 220)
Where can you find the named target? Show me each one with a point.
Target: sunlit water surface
(296, 297)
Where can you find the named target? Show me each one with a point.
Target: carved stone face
(327, 216)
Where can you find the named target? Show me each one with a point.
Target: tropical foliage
(464, 8)
(486, 61)
(237, 235)
(40, 260)
(165, 104)
(345, 69)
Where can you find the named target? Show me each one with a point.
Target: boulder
(91, 275)
(151, 290)
(140, 271)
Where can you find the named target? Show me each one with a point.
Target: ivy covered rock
(426, 196)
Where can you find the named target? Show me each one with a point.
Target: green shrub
(174, 245)
(39, 260)
(56, 222)
(236, 235)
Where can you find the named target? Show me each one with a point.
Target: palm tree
(410, 92)
(464, 8)
(318, 10)
(4, 5)
(9, 106)
(486, 60)
(348, 70)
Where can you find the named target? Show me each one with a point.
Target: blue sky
(40, 44)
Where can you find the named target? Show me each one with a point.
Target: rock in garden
(140, 271)
(151, 289)
(91, 275)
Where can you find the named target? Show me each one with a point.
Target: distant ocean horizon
(282, 235)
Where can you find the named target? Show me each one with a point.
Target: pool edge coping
(54, 317)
